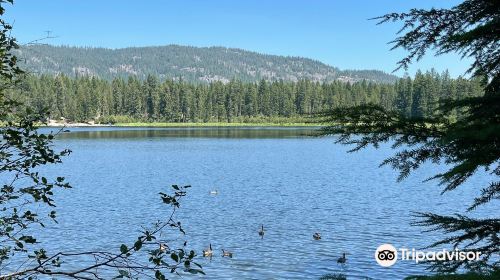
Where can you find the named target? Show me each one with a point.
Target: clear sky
(335, 32)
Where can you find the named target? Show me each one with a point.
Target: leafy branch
(127, 262)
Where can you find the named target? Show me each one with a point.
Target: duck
(214, 192)
(261, 231)
(342, 260)
(226, 253)
(163, 247)
(316, 236)
(208, 252)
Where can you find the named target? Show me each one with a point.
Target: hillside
(191, 63)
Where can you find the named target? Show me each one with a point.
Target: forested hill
(193, 64)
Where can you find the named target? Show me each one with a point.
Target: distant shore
(53, 123)
(211, 124)
(166, 124)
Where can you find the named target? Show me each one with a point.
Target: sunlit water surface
(293, 184)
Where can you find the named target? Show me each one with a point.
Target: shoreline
(161, 124)
(215, 124)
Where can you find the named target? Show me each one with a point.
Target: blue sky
(335, 32)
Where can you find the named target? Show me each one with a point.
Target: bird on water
(261, 231)
(316, 236)
(227, 253)
(342, 260)
(208, 252)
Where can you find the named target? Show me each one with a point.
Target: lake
(293, 184)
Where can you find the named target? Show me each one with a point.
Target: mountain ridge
(193, 64)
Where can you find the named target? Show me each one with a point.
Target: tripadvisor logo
(387, 255)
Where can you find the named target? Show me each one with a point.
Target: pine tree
(467, 144)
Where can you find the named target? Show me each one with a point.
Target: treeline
(149, 100)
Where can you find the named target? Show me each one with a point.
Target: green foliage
(114, 119)
(132, 100)
(192, 64)
(26, 197)
(470, 29)
(22, 150)
(479, 235)
(467, 145)
(464, 134)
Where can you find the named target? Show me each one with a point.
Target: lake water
(293, 184)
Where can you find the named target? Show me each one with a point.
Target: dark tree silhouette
(26, 201)
(466, 145)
